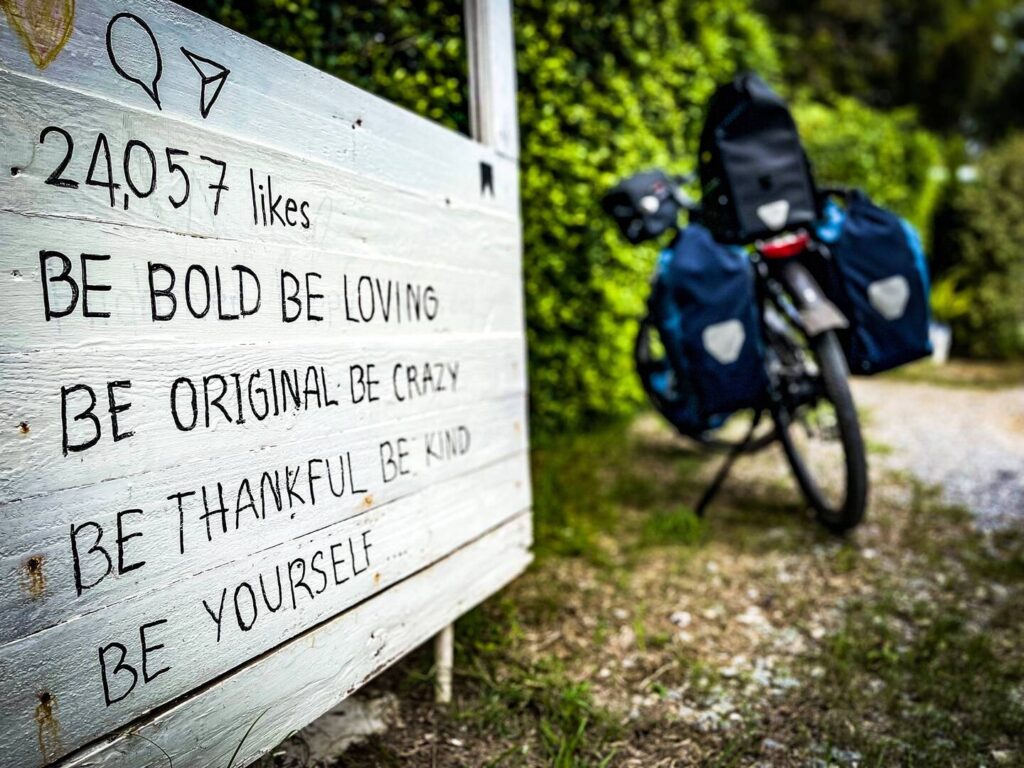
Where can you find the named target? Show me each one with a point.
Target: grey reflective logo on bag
(774, 215)
(650, 204)
(890, 296)
(723, 341)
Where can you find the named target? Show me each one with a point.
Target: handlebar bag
(755, 177)
(881, 284)
(643, 205)
(703, 310)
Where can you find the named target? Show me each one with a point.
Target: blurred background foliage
(893, 96)
(979, 237)
(958, 62)
(887, 153)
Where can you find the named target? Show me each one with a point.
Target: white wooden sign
(262, 381)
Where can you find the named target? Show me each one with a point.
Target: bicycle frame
(804, 363)
(784, 284)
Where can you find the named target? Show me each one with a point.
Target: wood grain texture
(268, 97)
(37, 562)
(347, 211)
(207, 252)
(489, 371)
(492, 74)
(400, 297)
(44, 26)
(317, 669)
(259, 603)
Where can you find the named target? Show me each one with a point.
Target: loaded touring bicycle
(772, 294)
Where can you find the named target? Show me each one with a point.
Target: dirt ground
(643, 636)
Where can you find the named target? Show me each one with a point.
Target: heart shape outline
(44, 26)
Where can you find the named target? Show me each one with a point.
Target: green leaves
(606, 90)
(887, 154)
(981, 286)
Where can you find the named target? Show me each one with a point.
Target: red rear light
(785, 246)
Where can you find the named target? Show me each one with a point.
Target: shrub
(980, 257)
(411, 52)
(887, 154)
(607, 89)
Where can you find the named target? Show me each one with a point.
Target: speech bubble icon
(134, 53)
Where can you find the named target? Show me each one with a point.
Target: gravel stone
(969, 442)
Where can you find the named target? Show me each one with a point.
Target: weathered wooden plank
(178, 178)
(285, 104)
(315, 670)
(54, 567)
(176, 287)
(218, 400)
(207, 623)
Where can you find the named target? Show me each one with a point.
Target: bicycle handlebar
(685, 202)
(691, 205)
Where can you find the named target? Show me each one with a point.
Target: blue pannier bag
(881, 284)
(703, 311)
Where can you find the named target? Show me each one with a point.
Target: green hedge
(607, 89)
(979, 288)
(888, 154)
(411, 52)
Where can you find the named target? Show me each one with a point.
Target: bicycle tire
(834, 375)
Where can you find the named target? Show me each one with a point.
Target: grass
(580, 664)
(591, 491)
(876, 448)
(679, 526)
(515, 692)
(595, 498)
(922, 680)
(943, 693)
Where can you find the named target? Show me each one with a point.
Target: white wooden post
(444, 648)
(492, 75)
(492, 98)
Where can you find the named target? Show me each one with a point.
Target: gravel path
(969, 441)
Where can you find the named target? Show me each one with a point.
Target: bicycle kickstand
(723, 471)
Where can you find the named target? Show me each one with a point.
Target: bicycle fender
(817, 313)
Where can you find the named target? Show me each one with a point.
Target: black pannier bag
(643, 205)
(699, 353)
(879, 281)
(755, 177)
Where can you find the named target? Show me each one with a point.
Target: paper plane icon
(213, 76)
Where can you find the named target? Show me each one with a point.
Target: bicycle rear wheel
(813, 436)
